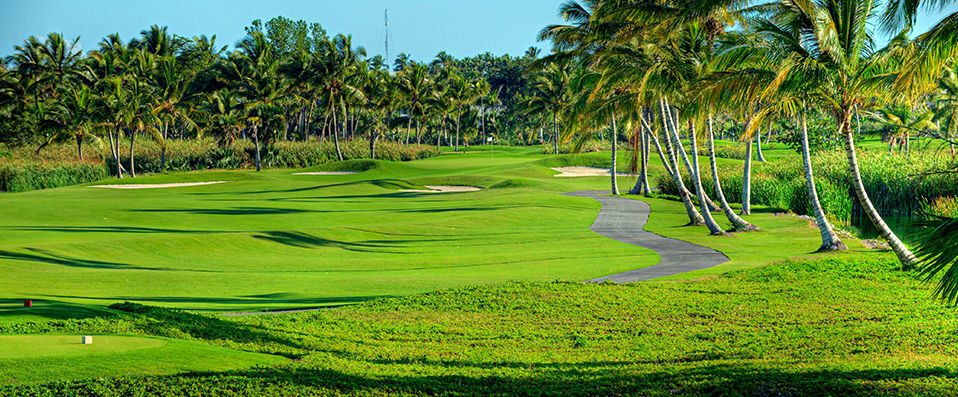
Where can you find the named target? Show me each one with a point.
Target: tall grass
(896, 184)
(24, 169)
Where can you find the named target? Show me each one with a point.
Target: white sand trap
(445, 189)
(568, 172)
(328, 173)
(158, 185)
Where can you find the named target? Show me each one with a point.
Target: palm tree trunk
(747, 180)
(642, 183)
(372, 144)
(339, 154)
(713, 227)
(458, 116)
(830, 240)
(614, 139)
(740, 224)
(80, 146)
(555, 132)
(256, 143)
(674, 136)
(408, 128)
(163, 150)
(758, 144)
(115, 152)
(695, 218)
(904, 254)
(132, 161)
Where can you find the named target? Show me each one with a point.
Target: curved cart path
(623, 220)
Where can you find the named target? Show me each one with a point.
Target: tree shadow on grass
(42, 256)
(109, 229)
(240, 211)
(595, 379)
(306, 240)
(50, 310)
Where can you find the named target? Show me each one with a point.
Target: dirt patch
(328, 173)
(445, 189)
(157, 185)
(571, 172)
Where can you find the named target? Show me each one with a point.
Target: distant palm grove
(657, 76)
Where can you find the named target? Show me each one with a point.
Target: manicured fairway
(275, 240)
(28, 359)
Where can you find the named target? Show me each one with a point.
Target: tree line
(285, 80)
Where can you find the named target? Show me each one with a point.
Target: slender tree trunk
(747, 180)
(739, 223)
(830, 240)
(458, 117)
(555, 132)
(710, 223)
(339, 154)
(408, 128)
(372, 144)
(904, 254)
(132, 160)
(163, 150)
(115, 152)
(677, 142)
(615, 174)
(256, 143)
(758, 143)
(642, 183)
(695, 218)
(80, 146)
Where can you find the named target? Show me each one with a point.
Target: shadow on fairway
(240, 211)
(593, 378)
(51, 310)
(106, 229)
(306, 240)
(42, 256)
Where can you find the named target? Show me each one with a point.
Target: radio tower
(387, 36)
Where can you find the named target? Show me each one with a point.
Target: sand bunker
(445, 189)
(158, 185)
(567, 172)
(328, 173)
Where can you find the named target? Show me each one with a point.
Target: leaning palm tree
(837, 55)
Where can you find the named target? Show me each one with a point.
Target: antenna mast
(387, 35)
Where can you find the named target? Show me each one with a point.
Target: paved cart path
(624, 220)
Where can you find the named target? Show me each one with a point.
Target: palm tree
(415, 87)
(173, 100)
(551, 94)
(840, 34)
(945, 106)
(255, 73)
(336, 70)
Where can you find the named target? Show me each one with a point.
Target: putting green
(28, 359)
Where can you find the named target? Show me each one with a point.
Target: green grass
(850, 325)
(450, 294)
(28, 359)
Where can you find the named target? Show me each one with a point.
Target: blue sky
(420, 28)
